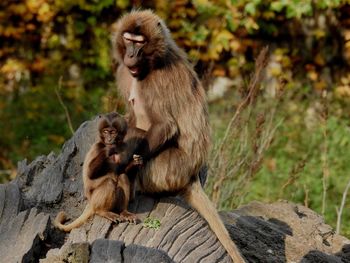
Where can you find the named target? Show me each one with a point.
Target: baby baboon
(106, 191)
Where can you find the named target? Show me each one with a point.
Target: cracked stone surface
(278, 232)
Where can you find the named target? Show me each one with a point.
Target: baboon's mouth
(134, 71)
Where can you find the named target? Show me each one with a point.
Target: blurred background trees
(292, 142)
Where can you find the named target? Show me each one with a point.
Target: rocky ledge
(278, 232)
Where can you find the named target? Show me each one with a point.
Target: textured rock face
(279, 232)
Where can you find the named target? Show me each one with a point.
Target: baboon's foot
(110, 216)
(129, 217)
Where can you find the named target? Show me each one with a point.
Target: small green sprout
(153, 223)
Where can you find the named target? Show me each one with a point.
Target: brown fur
(104, 189)
(179, 135)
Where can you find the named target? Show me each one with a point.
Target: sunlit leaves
(18, 9)
(343, 89)
(45, 14)
(232, 24)
(220, 41)
(12, 66)
(278, 5)
(200, 35)
(206, 7)
(251, 7)
(293, 8)
(122, 3)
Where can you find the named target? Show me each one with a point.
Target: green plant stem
(340, 211)
(64, 106)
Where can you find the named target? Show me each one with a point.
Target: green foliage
(308, 147)
(152, 223)
(296, 163)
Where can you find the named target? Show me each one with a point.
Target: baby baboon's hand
(137, 159)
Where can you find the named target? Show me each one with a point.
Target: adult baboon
(167, 101)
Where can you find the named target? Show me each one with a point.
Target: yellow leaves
(234, 65)
(320, 85)
(343, 90)
(41, 9)
(318, 82)
(250, 24)
(122, 3)
(319, 60)
(194, 54)
(200, 35)
(201, 2)
(220, 41)
(346, 37)
(279, 63)
(268, 15)
(53, 41)
(25, 12)
(345, 80)
(12, 31)
(11, 66)
(319, 33)
(18, 9)
(235, 45)
(45, 13)
(312, 75)
(34, 5)
(30, 27)
(275, 69)
(13, 70)
(38, 65)
(219, 71)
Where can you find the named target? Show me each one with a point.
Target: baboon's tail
(196, 197)
(61, 218)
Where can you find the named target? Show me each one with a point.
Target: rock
(104, 250)
(77, 252)
(278, 232)
(135, 253)
(284, 232)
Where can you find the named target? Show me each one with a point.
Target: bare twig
(340, 211)
(63, 105)
(293, 175)
(325, 166)
(240, 152)
(306, 198)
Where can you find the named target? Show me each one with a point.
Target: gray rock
(107, 251)
(135, 253)
(23, 236)
(278, 232)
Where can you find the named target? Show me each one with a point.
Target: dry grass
(238, 156)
